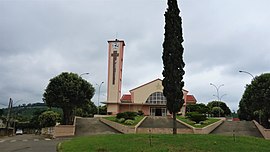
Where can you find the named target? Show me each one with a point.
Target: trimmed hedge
(127, 115)
(195, 116)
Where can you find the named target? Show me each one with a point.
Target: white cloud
(41, 39)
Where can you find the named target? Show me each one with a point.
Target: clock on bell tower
(115, 65)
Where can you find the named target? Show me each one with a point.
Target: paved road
(28, 143)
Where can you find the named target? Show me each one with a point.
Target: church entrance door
(157, 111)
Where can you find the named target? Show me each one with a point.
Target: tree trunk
(174, 123)
(67, 117)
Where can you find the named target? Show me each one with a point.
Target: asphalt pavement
(29, 143)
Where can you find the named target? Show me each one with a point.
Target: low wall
(4, 132)
(163, 131)
(59, 130)
(208, 129)
(121, 128)
(47, 132)
(205, 130)
(264, 132)
(64, 130)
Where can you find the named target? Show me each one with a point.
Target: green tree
(255, 102)
(217, 111)
(1, 112)
(87, 111)
(68, 91)
(49, 118)
(35, 119)
(222, 105)
(173, 60)
(200, 108)
(103, 110)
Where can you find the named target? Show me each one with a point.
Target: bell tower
(115, 65)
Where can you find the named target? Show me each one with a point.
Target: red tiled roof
(126, 97)
(191, 99)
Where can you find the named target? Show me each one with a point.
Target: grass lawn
(164, 143)
(207, 122)
(136, 121)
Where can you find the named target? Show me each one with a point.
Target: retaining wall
(121, 128)
(59, 130)
(205, 130)
(163, 131)
(264, 132)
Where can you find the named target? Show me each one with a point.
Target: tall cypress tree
(173, 60)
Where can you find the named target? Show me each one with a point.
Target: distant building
(147, 98)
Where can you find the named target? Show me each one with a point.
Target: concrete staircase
(239, 128)
(160, 122)
(162, 125)
(92, 126)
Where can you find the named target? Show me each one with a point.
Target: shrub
(127, 115)
(129, 122)
(217, 111)
(195, 116)
(121, 120)
(120, 115)
(140, 113)
(49, 118)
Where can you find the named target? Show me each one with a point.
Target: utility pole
(10, 104)
(99, 86)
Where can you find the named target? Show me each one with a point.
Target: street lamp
(84, 74)
(99, 86)
(217, 88)
(247, 73)
(222, 96)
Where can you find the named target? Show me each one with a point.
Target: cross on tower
(114, 55)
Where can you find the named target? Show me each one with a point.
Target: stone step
(92, 126)
(160, 122)
(241, 128)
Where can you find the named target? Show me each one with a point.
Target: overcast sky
(39, 39)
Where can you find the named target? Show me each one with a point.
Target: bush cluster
(129, 122)
(127, 115)
(195, 116)
(140, 113)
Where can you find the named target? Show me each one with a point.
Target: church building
(147, 98)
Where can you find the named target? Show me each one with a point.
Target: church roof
(158, 79)
(126, 98)
(191, 99)
(145, 84)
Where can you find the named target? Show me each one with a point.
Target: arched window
(156, 98)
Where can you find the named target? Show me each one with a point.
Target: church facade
(147, 98)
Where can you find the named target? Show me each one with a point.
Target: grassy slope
(165, 143)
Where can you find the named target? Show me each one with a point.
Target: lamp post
(222, 96)
(217, 88)
(84, 74)
(247, 73)
(99, 86)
